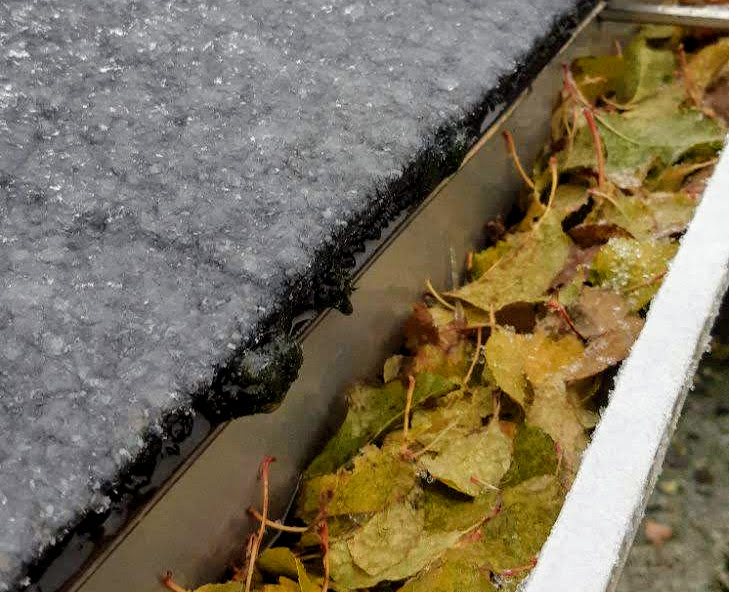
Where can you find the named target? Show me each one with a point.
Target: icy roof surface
(165, 168)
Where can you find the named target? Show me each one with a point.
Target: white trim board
(591, 538)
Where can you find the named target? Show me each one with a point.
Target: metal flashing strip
(590, 541)
(715, 17)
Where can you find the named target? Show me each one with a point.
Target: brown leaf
(604, 319)
(419, 328)
(657, 533)
(577, 259)
(590, 235)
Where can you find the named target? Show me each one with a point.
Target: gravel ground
(692, 495)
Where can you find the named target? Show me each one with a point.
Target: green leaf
(534, 455)
(281, 562)
(633, 268)
(553, 412)
(656, 131)
(377, 478)
(453, 574)
(629, 212)
(705, 66)
(371, 411)
(278, 561)
(347, 575)
(525, 273)
(515, 535)
(446, 510)
(598, 75)
(671, 212)
(284, 585)
(229, 587)
(646, 70)
(388, 537)
(474, 463)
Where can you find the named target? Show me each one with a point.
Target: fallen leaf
(474, 463)
(633, 268)
(377, 478)
(523, 274)
(553, 412)
(645, 70)
(656, 533)
(534, 455)
(371, 411)
(453, 574)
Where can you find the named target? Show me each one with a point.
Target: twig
(511, 149)
(437, 296)
(265, 468)
(277, 525)
(476, 355)
(170, 584)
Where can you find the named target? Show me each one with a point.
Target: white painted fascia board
(589, 543)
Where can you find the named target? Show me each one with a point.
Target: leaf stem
(256, 545)
(437, 296)
(277, 525)
(562, 311)
(406, 418)
(515, 570)
(170, 584)
(598, 147)
(511, 149)
(476, 355)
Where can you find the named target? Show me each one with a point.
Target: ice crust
(166, 170)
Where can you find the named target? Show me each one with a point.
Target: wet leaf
(598, 75)
(347, 575)
(524, 274)
(706, 65)
(284, 585)
(505, 353)
(446, 510)
(233, 587)
(391, 368)
(589, 235)
(474, 463)
(371, 411)
(534, 455)
(513, 537)
(553, 412)
(633, 268)
(645, 70)
(278, 561)
(453, 574)
(377, 478)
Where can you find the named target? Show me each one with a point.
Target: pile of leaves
(448, 474)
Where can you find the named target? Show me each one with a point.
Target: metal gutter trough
(197, 523)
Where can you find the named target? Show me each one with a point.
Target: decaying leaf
(524, 273)
(453, 574)
(474, 463)
(371, 411)
(377, 478)
(554, 413)
(633, 268)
